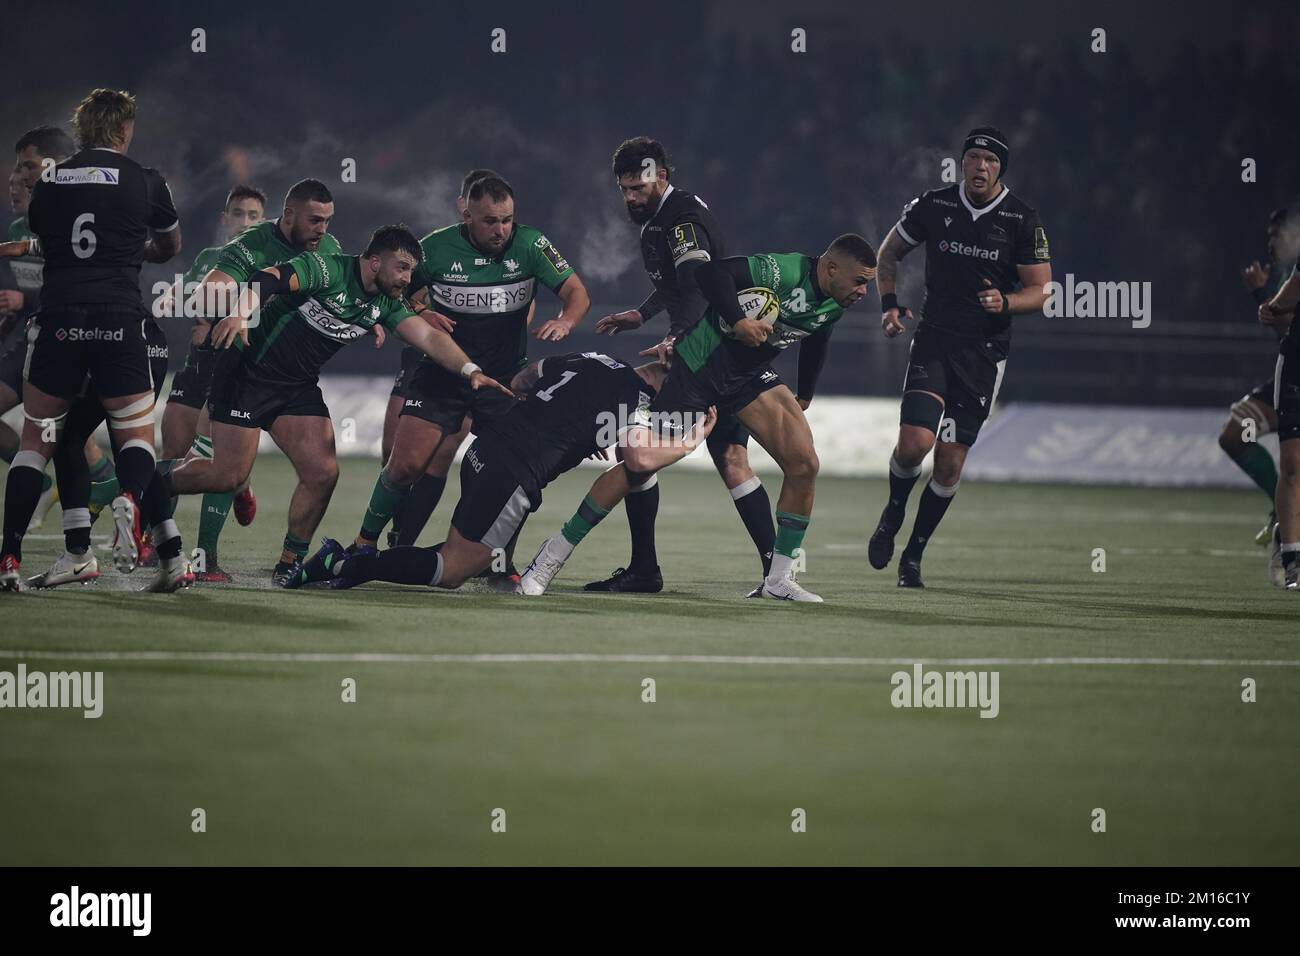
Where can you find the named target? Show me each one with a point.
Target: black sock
(155, 504)
(400, 565)
(409, 522)
(135, 469)
(928, 515)
(755, 511)
(642, 509)
(22, 492)
(901, 481)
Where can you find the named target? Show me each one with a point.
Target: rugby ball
(760, 304)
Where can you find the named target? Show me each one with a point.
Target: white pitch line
(265, 657)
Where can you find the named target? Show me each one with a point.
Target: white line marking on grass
(326, 657)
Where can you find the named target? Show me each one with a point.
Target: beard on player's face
(643, 203)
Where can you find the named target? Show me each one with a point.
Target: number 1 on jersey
(545, 394)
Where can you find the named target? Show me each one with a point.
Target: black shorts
(411, 357)
(687, 395)
(236, 396)
(87, 413)
(1286, 395)
(965, 371)
(444, 398)
(106, 343)
(190, 384)
(493, 504)
(13, 356)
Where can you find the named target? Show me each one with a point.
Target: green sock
(1258, 463)
(103, 469)
(790, 530)
(102, 493)
(588, 515)
(296, 546)
(212, 518)
(385, 500)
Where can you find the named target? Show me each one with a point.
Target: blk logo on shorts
(238, 414)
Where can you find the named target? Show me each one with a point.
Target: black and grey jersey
(965, 245)
(682, 233)
(92, 217)
(583, 401)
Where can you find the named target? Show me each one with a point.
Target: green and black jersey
(258, 247)
(298, 332)
(26, 269)
(805, 310)
(488, 296)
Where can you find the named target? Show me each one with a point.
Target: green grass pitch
(713, 770)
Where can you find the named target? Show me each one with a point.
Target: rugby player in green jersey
(316, 304)
(725, 361)
(425, 494)
(483, 275)
(302, 227)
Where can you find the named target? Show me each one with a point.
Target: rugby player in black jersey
(1262, 281)
(981, 241)
(678, 234)
(96, 218)
(573, 406)
(1279, 313)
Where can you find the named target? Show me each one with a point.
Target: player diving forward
(575, 405)
(725, 361)
(321, 302)
(979, 241)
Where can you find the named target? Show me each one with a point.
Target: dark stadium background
(1133, 156)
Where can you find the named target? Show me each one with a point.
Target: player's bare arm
(1034, 279)
(420, 304)
(1280, 310)
(443, 350)
(646, 452)
(892, 250)
(262, 284)
(162, 246)
(576, 302)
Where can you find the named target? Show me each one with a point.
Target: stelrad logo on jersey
(90, 335)
(962, 249)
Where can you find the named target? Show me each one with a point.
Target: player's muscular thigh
(731, 460)
(308, 441)
(414, 444)
(778, 424)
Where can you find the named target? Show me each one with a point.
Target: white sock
(561, 547)
(782, 567)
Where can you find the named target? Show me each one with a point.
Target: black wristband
(1006, 305)
(889, 301)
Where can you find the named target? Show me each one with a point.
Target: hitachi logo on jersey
(90, 335)
(962, 249)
